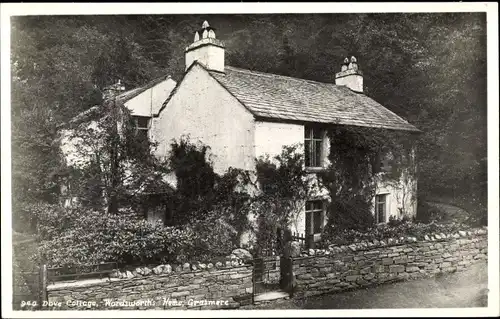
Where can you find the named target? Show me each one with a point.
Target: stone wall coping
(79, 283)
(61, 285)
(394, 242)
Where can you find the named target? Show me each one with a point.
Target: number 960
(28, 303)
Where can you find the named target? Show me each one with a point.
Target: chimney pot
(350, 75)
(206, 49)
(113, 90)
(344, 65)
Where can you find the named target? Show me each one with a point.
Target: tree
(111, 163)
(283, 187)
(200, 191)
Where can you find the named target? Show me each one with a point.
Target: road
(461, 289)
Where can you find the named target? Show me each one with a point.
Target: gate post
(42, 293)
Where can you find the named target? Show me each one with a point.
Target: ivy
(350, 177)
(283, 188)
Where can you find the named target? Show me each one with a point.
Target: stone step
(272, 295)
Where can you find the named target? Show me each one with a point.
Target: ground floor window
(314, 217)
(380, 208)
(142, 124)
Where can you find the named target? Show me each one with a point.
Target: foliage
(395, 230)
(201, 191)
(459, 210)
(427, 213)
(350, 177)
(121, 164)
(475, 207)
(210, 226)
(283, 188)
(92, 237)
(36, 157)
(215, 236)
(394, 222)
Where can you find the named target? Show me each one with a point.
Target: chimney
(112, 90)
(350, 75)
(206, 49)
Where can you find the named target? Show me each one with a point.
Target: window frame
(383, 162)
(377, 211)
(312, 213)
(136, 119)
(314, 153)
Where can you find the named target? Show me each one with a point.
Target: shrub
(283, 186)
(89, 237)
(213, 237)
(394, 222)
(95, 237)
(427, 213)
(350, 213)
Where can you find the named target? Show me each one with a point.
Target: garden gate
(272, 269)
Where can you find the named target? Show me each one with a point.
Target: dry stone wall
(229, 284)
(371, 263)
(220, 286)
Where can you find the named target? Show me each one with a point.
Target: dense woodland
(427, 68)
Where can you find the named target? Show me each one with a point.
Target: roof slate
(130, 94)
(280, 97)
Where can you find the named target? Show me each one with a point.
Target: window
(383, 162)
(380, 208)
(314, 217)
(142, 126)
(312, 142)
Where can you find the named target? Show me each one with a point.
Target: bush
(88, 237)
(214, 237)
(353, 213)
(95, 237)
(394, 222)
(427, 213)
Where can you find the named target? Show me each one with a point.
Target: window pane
(308, 223)
(380, 204)
(309, 206)
(317, 205)
(317, 222)
(307, 154)
(142, 122)
(381, 213)
(317, 153)
(316, 133)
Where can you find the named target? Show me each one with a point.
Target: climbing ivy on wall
(351, 177)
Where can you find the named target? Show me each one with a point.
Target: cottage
(244, 114)
(143, 102)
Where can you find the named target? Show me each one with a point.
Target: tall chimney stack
(350, 75)
(112, 90)
(206, 49)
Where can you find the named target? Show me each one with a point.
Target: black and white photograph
(250, 159)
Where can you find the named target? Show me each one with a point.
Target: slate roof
(92, 112)
(272, 96)
(130, 94)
